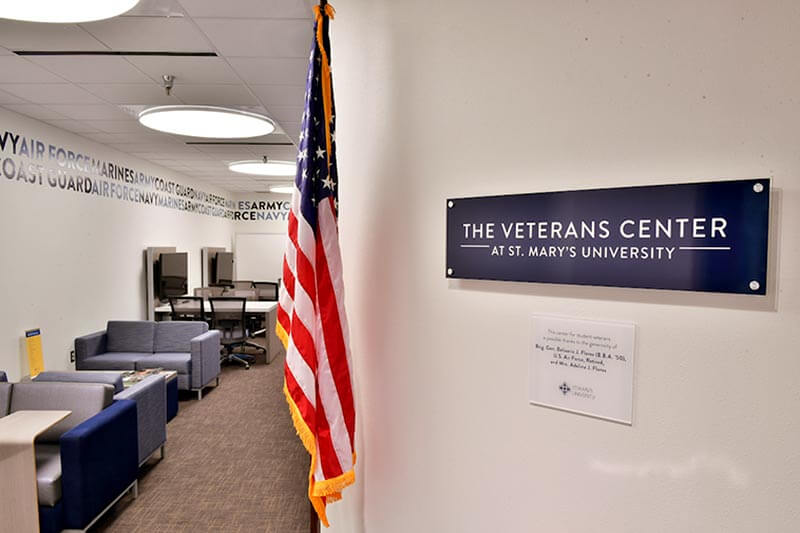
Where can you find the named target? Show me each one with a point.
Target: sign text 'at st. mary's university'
(708, 236)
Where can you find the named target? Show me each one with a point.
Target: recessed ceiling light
(63, 11)
(206, 121)
(264, 167)
(282, 189)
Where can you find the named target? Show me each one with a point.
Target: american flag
(311, 316)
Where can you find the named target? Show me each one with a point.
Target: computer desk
(269, 310)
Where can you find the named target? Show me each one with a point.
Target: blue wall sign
(696, 237)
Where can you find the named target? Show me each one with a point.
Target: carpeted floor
(233, 463)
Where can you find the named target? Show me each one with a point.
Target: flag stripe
(334, 340)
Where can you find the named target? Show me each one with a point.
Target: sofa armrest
(150, 396)
(205, 358)
(99, 459)
(89, 346)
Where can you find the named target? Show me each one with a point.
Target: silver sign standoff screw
(758, 187)
(754, 285)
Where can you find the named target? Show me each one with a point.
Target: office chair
(267, 291)
(242, 284)
(248, 294)
(229, 316)
(187, 308)
(208, 292)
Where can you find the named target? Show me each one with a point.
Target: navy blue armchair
(86, 462)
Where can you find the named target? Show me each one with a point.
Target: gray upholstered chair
(150, 396)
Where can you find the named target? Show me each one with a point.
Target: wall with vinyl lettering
(454, 100)
(75, 218)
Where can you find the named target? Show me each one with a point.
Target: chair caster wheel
(247, 367)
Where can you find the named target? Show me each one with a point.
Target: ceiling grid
(261, 51)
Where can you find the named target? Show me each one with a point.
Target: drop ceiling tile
(223, 95)
(249, 8)
(51, 93)
(292, 129)
(279, 95)
(184, 156)
(187, 70)
(142, 137)
(223, 150)
(16, 69)
(92, 69)
(141, 147)
(286, 114)
(259, 37)
(277, 71)
(156, 8)
(36, 111)
(281, 153)
(31, 36)
(131, 93)
(89, 112)
(8, 98)
(74, 126)
(149, 33)
(118, 126)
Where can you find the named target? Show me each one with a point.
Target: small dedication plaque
(583, 366)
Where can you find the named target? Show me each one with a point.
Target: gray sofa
(186, 347)
(150, 396)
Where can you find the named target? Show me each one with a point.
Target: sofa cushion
(5, 398)
(130, 336)
(176, 336)
(180, 362)
(84, 400)
(114, 361)
(48, 473)
(109, 378)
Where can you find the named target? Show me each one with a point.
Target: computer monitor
(173, 275)
(223, 268)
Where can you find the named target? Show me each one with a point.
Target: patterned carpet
(233, 464)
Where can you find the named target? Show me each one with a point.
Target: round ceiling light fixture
(61, 11)
(206, 121)
(282, 189)
(264, 167)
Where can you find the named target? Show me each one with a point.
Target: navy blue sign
(695, 236)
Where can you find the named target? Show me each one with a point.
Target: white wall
(260, 239)
(71, 261)
(439, 99)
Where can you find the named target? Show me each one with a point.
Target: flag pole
(313, 517)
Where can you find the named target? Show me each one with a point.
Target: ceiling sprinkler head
(169, 81)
